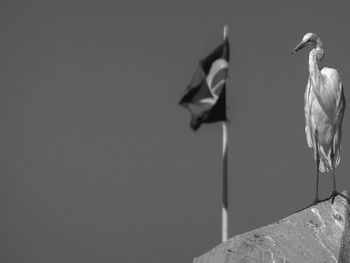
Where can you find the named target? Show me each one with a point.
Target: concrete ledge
(317, 234)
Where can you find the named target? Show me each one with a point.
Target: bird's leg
(317, 160)
(335, 192)
(316, 200)
(317, 170)
(333, 175)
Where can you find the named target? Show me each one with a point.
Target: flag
(205, 96)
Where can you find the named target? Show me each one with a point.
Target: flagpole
(224, 224)
(224, 183)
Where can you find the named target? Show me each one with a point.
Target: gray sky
(98, 161)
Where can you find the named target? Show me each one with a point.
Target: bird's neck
(315, 56)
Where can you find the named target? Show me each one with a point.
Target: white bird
(324, 111)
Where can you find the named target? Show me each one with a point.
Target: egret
(324, 110)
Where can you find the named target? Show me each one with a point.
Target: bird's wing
(341, 104)
(307, 106)
(328, 92)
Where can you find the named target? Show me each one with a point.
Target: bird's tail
(326, 164)
(325, 160)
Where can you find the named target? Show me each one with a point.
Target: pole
(224, 224)
(224, 183)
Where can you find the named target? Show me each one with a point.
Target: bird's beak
(301, 45)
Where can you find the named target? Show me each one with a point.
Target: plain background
(98, 163)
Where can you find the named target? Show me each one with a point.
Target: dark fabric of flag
(205, 96)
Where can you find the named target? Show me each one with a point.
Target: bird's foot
(315, 202)
(336, 193)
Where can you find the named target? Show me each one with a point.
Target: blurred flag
(205, 96)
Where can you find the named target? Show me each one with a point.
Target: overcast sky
(98, 163)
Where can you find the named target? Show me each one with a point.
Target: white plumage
(324, 110)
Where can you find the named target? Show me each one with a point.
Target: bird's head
(310, 39)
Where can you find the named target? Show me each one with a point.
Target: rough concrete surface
(318, 234)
